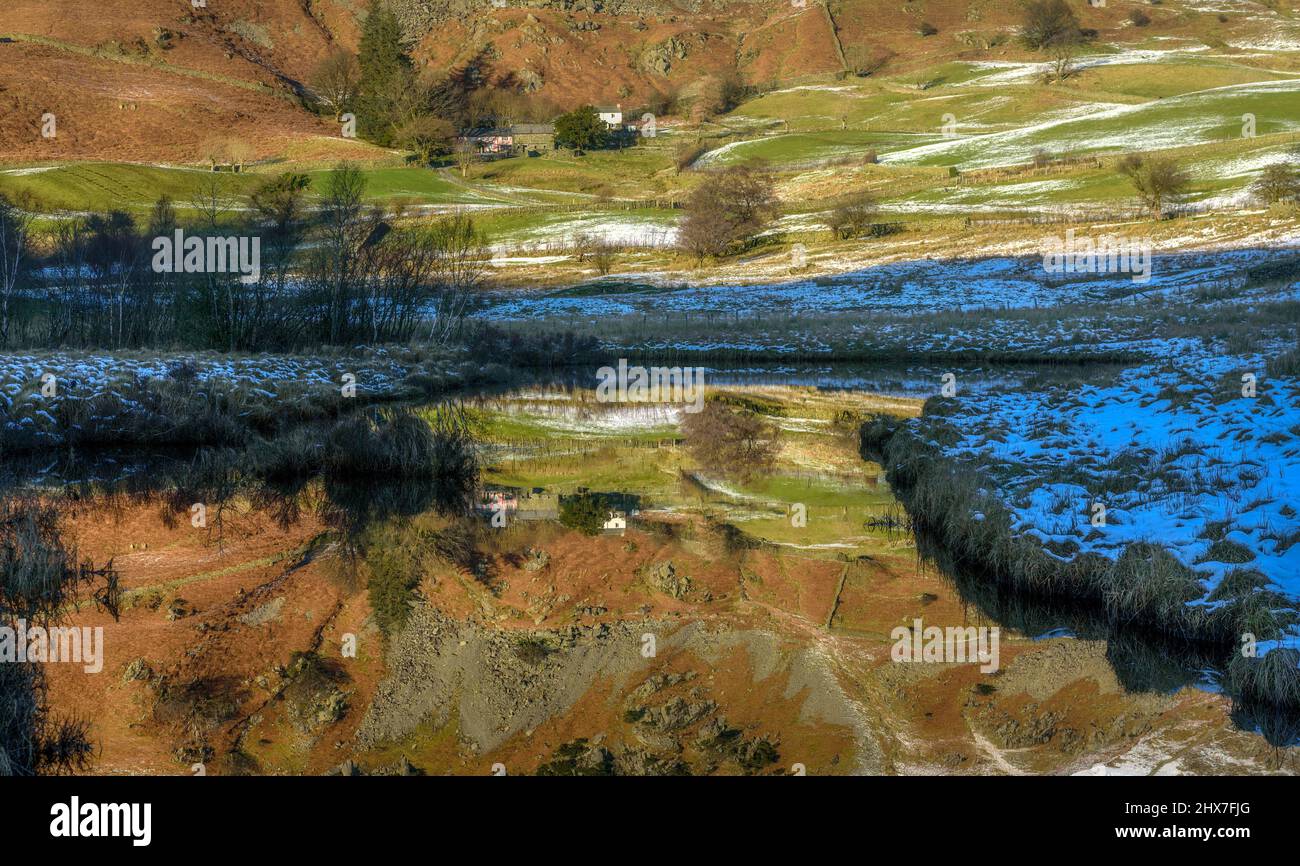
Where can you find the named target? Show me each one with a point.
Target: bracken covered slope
(156, 79)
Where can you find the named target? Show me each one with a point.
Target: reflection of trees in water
(41, 577)
(352, 506)
(372, 468)
(1143, 661)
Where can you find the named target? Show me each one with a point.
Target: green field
(421, 185)
(101, 186)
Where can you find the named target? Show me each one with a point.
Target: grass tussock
(1286, 364)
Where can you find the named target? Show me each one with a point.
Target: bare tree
(853, 216)
(44, 578)
(735, 443)
(66, 289)
(116, 255)
(226, 150)
(1050, 26)
(602, 254)
(865, 60)
(345, 228)
(1158, 180)
(335, 81)
(731, 206)
(280, 205)
(212, 200)
(461, 260)
(1278, 182)
(240, 152)
(427, 137)
(1045, 22)
(466, 154)
(710, 99)
(1062, 56)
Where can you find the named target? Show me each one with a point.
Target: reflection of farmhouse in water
(537, 503)
(520, 504)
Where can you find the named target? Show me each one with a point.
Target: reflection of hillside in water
(1142, 661)
(573, 412)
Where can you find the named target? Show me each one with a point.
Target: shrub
(729, 208)
(866, 61)
(1279, 182)
(738, 444)
(853, 217)
(1158, 180)
(1048, 22)
(602, 254)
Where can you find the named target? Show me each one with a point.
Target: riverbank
(1162, 535)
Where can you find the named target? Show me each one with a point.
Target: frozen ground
(1178, 453)
(565, 234)
(1176, 121)
(924, 285)
(264, 373)
(1168, 443)
(46, 397)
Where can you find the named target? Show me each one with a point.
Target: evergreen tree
(581, 129)
(386, 73)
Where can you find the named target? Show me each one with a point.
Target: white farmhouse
(613, 117)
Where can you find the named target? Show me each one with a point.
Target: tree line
(333, 270)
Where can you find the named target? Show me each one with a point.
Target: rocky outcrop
(495, 683)
(492, 685)
(659, 58)
(664, 577)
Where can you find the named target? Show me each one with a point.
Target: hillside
(178, 75)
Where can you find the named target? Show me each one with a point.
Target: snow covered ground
(1172, 443)
(1199, 453)
(1176, 121)
(44, 396)
(564, 235)
(924, 285)
(264, 373)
